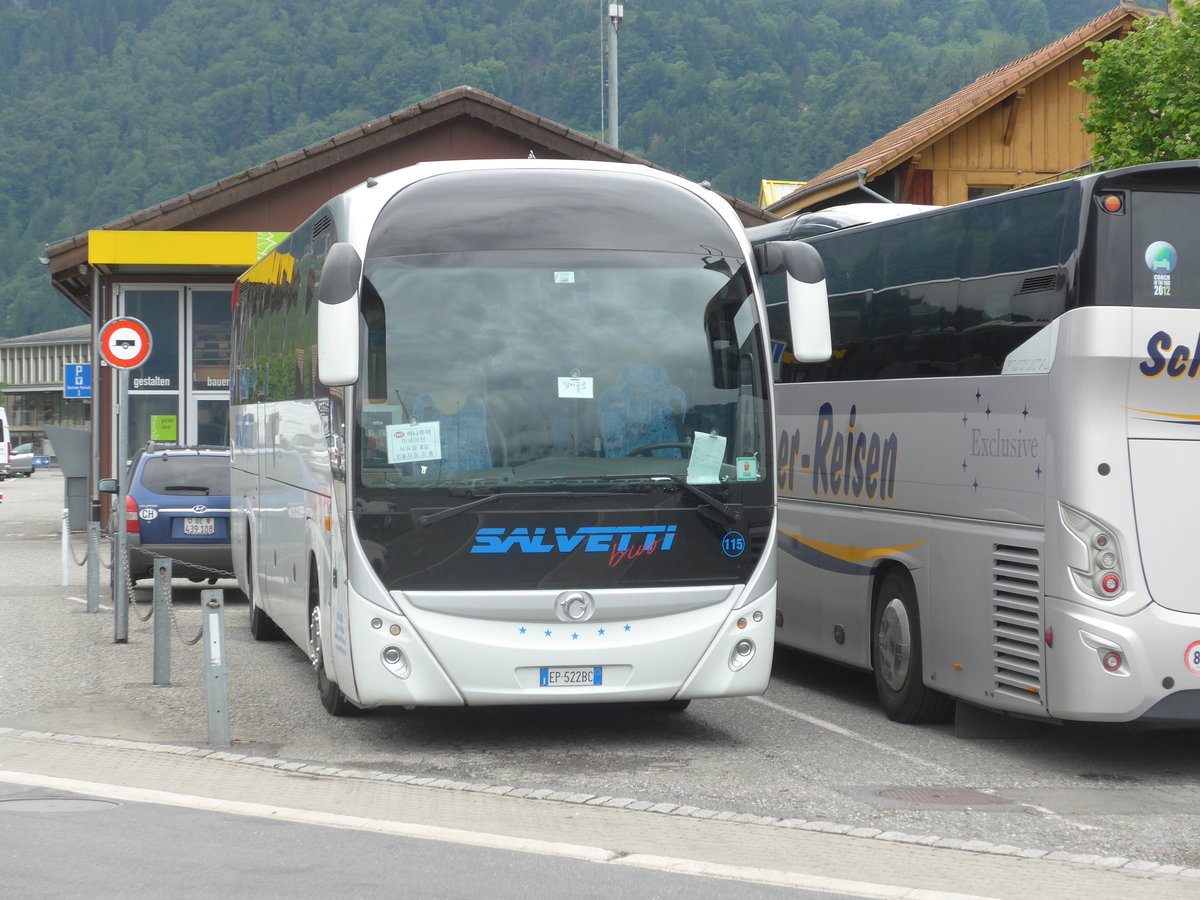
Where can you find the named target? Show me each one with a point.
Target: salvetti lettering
(849, 462)
(628, 540)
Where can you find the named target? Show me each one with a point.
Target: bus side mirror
(808, 301)
(337, 316)
(107, 486)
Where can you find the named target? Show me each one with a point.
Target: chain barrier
(88, 550)
(94, 547)
(165, 585)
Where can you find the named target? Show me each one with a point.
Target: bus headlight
(743, 652)
(1103, 578)
(395, 661)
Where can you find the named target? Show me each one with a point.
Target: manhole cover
(941, 796)
(55, 804)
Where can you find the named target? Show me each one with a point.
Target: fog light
(1111, 660)
(743, 652)
(377, 623)
(395, 661)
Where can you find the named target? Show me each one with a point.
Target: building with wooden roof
(172, 266)
(1012, 127)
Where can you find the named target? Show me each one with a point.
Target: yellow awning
(179, 248)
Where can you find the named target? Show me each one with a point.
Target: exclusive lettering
(997, 444)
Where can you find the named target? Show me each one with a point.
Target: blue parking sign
(77, 380)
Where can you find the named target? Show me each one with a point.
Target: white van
(5, 443)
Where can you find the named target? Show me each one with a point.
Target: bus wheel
(896, 656)
(332, 698)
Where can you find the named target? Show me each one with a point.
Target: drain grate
(942, 796)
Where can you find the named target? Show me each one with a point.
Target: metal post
(120, 574)
(66, 549)
(615, 12)
(93, 561)
(162, 622)
(213, 605)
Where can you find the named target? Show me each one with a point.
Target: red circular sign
(124, 343)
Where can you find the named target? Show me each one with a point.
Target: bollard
(66, 550)
(93, 567)
(162, 622)
(213, 605)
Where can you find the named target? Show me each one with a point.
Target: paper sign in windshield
(414, 442)
(704, 465)
(576, 387)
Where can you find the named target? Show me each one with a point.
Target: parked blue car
(177, 507)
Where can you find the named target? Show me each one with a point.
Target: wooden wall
(1027, 137)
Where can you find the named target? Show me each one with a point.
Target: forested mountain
(109, 107)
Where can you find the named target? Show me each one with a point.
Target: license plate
(205, 526)
(571, 676)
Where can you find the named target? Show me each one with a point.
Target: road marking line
(852, 735)
(485, 839)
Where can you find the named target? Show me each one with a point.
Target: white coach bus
(984, 493)
(502, 434)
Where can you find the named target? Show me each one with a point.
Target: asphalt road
(814, 751)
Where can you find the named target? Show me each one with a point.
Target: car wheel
(896, 656)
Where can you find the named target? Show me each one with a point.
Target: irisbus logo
(621, 543)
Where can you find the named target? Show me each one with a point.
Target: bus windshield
(553, 368)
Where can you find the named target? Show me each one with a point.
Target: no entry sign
(125, 342)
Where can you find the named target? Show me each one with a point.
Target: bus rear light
(1112, 657)
(133, 525)
(1100, 573)
(1112, 203)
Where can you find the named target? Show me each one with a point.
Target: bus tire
(332, 698)
(262, 626)
(896, 656)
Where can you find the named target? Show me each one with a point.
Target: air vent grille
(1017, 624)
(1038, 283)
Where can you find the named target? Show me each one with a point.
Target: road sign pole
(125, 344)
(120, 567)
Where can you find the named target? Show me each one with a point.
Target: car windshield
(186, 474)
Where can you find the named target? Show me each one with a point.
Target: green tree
(1146, 91)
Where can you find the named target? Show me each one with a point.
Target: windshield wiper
(433, 518)
(731, 511)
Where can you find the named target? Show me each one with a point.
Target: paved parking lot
(813, 755)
